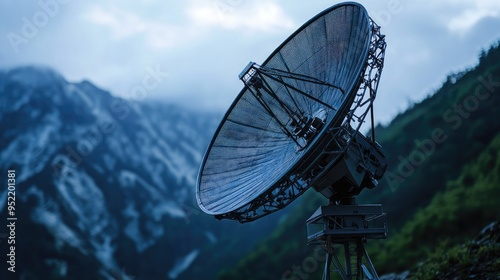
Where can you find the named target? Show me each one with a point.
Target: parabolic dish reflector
(304, 88)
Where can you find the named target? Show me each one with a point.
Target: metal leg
(370, 264)
(355, 259)
(326, 272)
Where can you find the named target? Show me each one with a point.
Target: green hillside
(453, 215)
(441, 187)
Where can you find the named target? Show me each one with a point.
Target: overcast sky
(204, 44)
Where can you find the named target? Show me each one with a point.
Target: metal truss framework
(342, 230)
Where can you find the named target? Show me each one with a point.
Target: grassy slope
(424, 198)
(453, 216)
(479, 259)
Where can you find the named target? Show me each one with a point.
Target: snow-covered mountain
(104, 186)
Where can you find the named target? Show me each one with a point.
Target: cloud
(123, 24)
(477, 11)
(457, 16)
(120, 22)
(262, 16)
(201, 18)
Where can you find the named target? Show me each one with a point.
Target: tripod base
(357, 263)
(342, 230)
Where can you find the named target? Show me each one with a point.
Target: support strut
(342, 230)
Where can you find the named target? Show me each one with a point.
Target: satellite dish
(295, 125)
(261, 155)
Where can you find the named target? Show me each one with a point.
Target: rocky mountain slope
(104, 185)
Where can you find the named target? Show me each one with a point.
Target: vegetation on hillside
(453, 215)
(479, 259)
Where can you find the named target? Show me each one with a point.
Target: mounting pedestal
(342, 230)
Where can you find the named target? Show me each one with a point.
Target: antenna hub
(305, 127)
